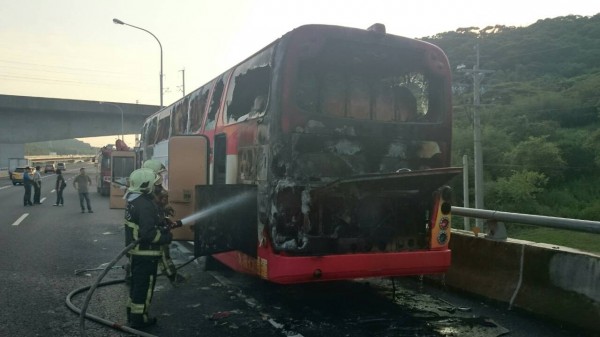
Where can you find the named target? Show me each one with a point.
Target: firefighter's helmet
(154, 165)
(142, 181)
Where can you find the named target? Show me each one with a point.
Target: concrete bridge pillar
(10, 151)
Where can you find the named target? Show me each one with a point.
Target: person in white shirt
(37, 186)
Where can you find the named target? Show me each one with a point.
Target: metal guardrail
(538, 220)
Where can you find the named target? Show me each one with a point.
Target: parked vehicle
(49, 168)
(13, 163)
(61, 166)
(17, 175)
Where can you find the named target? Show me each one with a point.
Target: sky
(71, 48)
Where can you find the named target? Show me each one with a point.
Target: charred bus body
(342, 137)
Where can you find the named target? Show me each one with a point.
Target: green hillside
(539, 112)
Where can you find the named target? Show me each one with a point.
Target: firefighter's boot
(141, 321)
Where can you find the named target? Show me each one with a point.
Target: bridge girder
(35, 119)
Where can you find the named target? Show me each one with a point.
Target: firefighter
(161, 197)
(143, 222)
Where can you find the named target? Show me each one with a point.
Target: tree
(593, 143)
(517, 193)
(539, 155)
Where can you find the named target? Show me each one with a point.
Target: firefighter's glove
(175, 224)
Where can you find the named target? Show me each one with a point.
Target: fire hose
(98, 283)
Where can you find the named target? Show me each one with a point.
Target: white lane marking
(16, 223)
(42, 200)
(3, 187)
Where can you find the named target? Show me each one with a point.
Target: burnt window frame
(197, 107)
(180, 109)
(254, 77)
(216, 97)
(164, 125)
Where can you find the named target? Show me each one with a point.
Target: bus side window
(333, 95)
(151, 131)
(163, 128)
(246, 96)
(215, 102)
(197, 107)
(180, 118)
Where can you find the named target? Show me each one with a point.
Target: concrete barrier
(553, 281)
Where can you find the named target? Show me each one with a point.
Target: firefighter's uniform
(143, 221)
(165, 263)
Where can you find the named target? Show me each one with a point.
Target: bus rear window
(369, 83)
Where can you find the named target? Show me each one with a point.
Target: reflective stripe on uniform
(136, 250)
(134, 227)
(150, 291)
(156, 237)
(137, 308)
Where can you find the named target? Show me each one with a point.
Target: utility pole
(478, 75)
(183, 81)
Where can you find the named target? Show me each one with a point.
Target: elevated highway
(36, 119)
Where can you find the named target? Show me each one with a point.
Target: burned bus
(341, 139)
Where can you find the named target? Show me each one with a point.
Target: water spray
(190, 219)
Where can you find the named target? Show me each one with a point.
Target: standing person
(59, 187)
(81, 183)
(27, 182)
(161, 199)
(143, 223)
(37, 186)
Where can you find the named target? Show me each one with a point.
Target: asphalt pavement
(205, 304)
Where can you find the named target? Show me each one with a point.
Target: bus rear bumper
(302, 269)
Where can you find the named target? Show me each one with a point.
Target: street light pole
(118, 107)
(119, 22)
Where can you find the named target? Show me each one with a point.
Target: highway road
(42, 247)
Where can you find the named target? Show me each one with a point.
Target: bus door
(187, 167)
(122, 163)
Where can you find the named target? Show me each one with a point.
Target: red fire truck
(103, 165)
